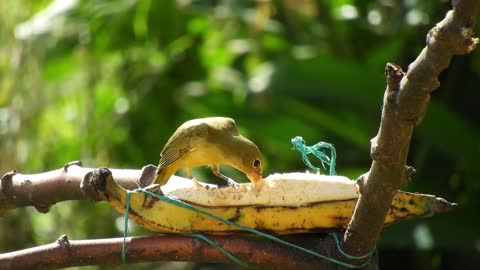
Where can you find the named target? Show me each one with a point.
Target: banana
(286, 204)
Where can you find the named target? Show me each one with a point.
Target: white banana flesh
(287, 189)
(285, 204)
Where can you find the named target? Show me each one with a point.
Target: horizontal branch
(73, 183)
(262, 254)
(43, 190)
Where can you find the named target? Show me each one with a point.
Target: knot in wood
(95, 181)
(72, 163)
(470, 42)
(6, 183)
(394, 72)
(63, 241)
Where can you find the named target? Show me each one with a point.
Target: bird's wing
(181, 142)
(170, 156)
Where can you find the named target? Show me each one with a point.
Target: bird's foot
(195, 182)
(156, 189)
(233, 184)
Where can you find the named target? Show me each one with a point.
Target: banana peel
(285, 204)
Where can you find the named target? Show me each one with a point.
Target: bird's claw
(155, 188)
(195, 182)
(233, 184)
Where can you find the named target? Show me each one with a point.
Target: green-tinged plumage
(209, 141)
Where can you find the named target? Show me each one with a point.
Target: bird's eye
(256, 163)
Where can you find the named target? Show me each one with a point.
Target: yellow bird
(209, 141)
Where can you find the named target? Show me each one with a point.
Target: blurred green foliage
(107, 82)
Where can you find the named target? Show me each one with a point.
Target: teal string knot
(317, 151)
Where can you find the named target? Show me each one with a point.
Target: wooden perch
(72, 182)
(66, 253)
(262, 254)
(45, 189)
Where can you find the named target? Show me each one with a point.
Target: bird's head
(250, 161)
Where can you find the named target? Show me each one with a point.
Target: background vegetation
(107, 82)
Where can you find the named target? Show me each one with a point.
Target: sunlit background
(107, 82)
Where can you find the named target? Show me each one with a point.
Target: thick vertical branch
(405, 102)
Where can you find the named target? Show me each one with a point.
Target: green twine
(199, 236)
(352, 257)
(299, 144)
(264, 235)
(125, 229)
(222, 250)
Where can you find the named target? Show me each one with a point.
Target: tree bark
(72, 182)
(404, 105)
(43, 190)
(259, 254)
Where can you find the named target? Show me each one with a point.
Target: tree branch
(405, 102)
(72, 183)
(404, 105)
(75, 182)
(262, 254)
(45, 189)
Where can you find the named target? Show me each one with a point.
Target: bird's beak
(255, 177)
